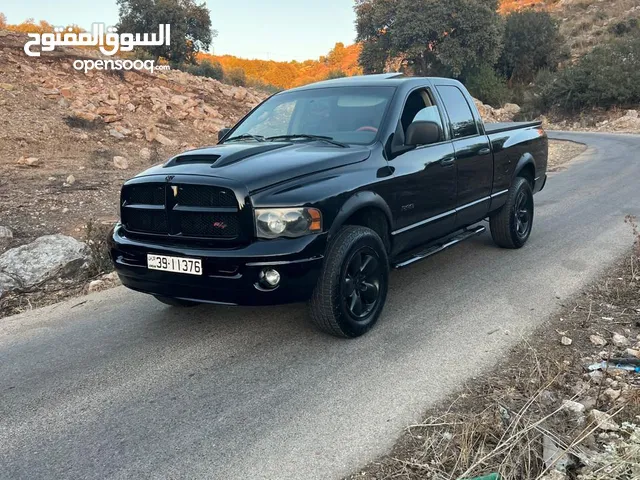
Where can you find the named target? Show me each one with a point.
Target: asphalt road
(123, 387)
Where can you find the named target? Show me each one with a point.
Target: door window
(420, 108)
(460, 115)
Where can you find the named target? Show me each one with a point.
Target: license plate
(190, 266)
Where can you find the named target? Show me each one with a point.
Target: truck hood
(261, 165)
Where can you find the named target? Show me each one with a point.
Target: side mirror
(223, 133)
(423, 133)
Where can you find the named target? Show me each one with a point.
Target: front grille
(197, 224)
(181, 210)
(146, 221)
(205, 196)
(146, 194)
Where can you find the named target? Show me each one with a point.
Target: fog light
(271, 277)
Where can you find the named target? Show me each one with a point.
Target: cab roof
(379, 80)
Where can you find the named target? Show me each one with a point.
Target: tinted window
(462, 121)
(346, 114)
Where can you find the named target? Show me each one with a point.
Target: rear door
(474, 159)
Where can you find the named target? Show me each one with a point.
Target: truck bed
(508, 126)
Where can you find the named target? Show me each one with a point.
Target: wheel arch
(367, 209)
(526, 168)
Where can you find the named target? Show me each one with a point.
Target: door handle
(484, 151)
(448, 161)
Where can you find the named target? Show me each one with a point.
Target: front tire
(511, 225)
(352, 288)
(176, 302)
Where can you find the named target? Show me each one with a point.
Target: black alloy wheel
(361, 283)
(523, 213)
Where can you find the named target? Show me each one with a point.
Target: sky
(272, 30)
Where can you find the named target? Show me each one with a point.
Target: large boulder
(47, 258)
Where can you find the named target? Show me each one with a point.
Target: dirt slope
(60, 130)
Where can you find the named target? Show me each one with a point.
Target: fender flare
(356, 202)
(526, 159)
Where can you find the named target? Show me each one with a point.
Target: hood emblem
(175, 190)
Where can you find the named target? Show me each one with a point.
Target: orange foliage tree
(341, 58)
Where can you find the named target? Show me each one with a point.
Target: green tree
(190, 26)
(435, 37)
(532, 42)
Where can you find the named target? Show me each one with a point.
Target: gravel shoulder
(562, 153)
(542, 413)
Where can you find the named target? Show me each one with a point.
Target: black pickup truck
(321, 190)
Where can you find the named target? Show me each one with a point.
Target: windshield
(344, 114)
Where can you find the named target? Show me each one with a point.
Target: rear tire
(511, 225)
(352, 288)
(176, 302)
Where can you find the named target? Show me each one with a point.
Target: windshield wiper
(257, 138)
(310, 137)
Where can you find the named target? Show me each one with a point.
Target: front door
(424, 181)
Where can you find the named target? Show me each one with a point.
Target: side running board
(439, 247)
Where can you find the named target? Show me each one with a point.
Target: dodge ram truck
(320, 191)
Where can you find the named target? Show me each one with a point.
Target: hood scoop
(227, 155)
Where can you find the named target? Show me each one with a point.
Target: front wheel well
(375, 219)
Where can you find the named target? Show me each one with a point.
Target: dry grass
(499, 422)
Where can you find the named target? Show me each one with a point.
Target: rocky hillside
(69, 139)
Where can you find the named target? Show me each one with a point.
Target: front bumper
(230, 276)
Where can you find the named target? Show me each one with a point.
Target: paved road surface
(123, 387)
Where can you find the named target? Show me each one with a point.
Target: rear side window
(460, 115)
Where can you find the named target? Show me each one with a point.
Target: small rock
(52, 179)
(32, 162)
(106, 111)
(49, 91)
(145, 154)
(597, 340)
(120, 163)
(620, 340)
(65, 210)
(164, 140)
(604, 421)
(71, 180)
(150, 133)
(87, 116)
(5, 232)
(572, 406)
(111, 277)
(116, 134)
(629, 352)
(6, 86)
(566, 341)
(612, 394)
(95, 286)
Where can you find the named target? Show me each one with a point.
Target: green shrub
(236, 76)
(532, 42)
(608, 76)
(486, 85)
(336, 74)
(624, 27)
(207, 69)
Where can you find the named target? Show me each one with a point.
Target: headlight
(287, 222)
